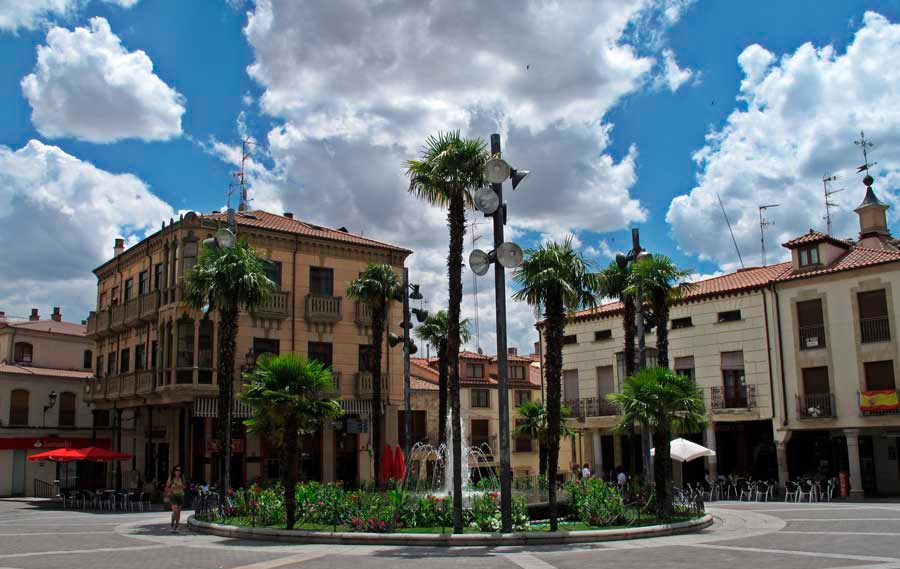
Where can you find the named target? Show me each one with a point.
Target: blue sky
(629, 114)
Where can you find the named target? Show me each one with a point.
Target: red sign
(50, 443)
(214, 446)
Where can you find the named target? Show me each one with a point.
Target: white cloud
(63, 215)
(32, 14)
(796, 119)
(123, 3)
(673, 76)
(86, 85)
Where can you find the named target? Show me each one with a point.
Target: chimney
(84, 322)
(119, 247)
(2, 317)
(34, 315)
(57, 315)
(512, 351)
(289, 214)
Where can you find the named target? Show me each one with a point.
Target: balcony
(278, 306)
(336, 382)
(150, 306)
(812, 337)
(484, 447)
(879, 403)
(742, 398)
(363, 314)
(117, 317)
(144, 382)
(93, 390)
(132, 311)
(592, 407)
(126, 385)
(816, 406)
(322, 308)
(877, 329)
(364, 384)
(98, 323)
(113, 387)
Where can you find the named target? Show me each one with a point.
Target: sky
(119, 114)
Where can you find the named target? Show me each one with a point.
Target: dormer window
(808, 256)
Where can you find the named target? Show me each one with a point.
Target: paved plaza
(751, 536)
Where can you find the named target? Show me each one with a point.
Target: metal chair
(806, 489)
(791, 491)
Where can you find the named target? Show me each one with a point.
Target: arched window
(18, 407)
(66, 409)
(88, 359)
(24, 353)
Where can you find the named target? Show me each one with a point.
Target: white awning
(209, 407)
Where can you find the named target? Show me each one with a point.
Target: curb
(449, 540)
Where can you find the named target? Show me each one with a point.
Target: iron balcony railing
(743, 397)
(812, 337)
(877, 329)
(591, 407)
(816, 406)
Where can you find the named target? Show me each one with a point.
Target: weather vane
(865, 145)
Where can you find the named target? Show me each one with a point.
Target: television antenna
(827, 179)
(730, 230)
(763, 223)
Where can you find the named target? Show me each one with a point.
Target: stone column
(617, 451)
(328, 435)
(709, 441)
(856, 489)
(598, 453)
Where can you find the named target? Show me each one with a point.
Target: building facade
(155, 361)
(43, 364)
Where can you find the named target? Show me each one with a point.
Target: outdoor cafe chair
(747, 489)
(806, 489)
(791, 491)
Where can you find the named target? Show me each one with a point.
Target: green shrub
(595, 502)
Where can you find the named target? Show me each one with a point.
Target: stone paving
(745, 536)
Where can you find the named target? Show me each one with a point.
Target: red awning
(93, 454)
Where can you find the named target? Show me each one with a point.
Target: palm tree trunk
(542, 458)
(456, 219)
(661, 317)
(662, 471)
(442, 393)
(556, 321)
(225, 372)
(289, 474)
(378, 321)
(630, 326)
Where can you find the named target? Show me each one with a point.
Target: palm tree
(450, 169)
(286, 395)
(376, 286)
(660, 283)
(534, 425)
(613, 283)
(557, 278)
(666, 402)
(227, 279)
(434, 331)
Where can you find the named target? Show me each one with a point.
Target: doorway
(346, 458)
(18, 472)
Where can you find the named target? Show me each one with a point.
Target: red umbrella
(399, 464)
(387, 463)
(94, 454)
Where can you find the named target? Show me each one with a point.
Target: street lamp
(489, 201)
(51, 402)
(408, 291)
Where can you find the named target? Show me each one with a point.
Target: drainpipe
(784, 420)
(294, 294)
(769, 352)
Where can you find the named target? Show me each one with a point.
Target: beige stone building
(43, 363)
(155, 359)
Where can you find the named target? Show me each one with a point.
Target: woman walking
(175, 494)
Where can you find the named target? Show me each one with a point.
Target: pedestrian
(621, 477)
(175, 495)
(586, 472)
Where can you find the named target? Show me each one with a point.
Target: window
(129, 286)
(102, 303)
(522, 396)
(140, 354)
(730, 316)
(321, 281)
(685, 366)
(570, 339)
(99, 370)
(683, 322)
(88, 359)
(873, 316)
(480, 436)
(517, 373)
(522, 442)
(606, 383)
(879, 375)
(475, 370)
(815, 381)
(366, 358)
(66, 409)
(620, 366)
(115, 295)
(321, 352)
(190, 255)
(18, 407)
(602, 335)
(205, 344)
(273, 271)
(111, 364)
(733, 380)
(143, 282)
(808, 256)
(481, 398)
(570, 385)
(158, 276)
(23, 353)
(125, 360)
(185, 355)
(265, 346)
(101, 417)
(811, 323)
(651, 355)
(154, 353)
(419, 427)
(172, 276)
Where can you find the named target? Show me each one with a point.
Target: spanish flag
(882, 400)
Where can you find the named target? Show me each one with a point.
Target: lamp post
(408, 292)
(624, 261)
(505, 255)
(51, 402)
